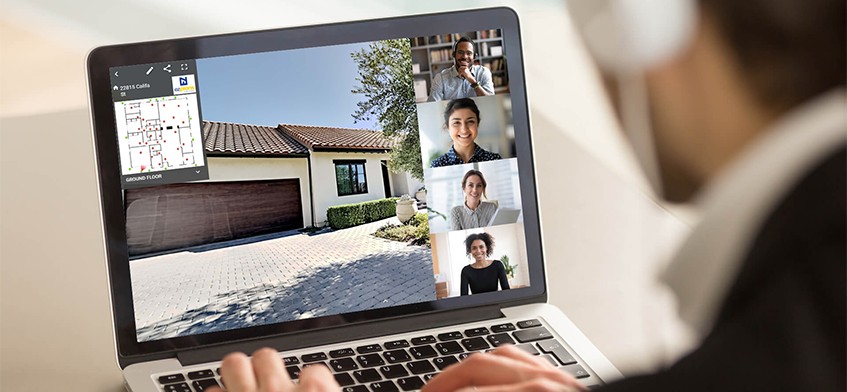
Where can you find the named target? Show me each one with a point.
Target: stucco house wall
(324, 183)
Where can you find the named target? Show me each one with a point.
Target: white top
(738, 201)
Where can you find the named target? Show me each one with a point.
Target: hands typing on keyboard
(534, 363)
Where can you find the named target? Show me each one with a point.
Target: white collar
(736, 203)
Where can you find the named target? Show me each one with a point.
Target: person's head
(461, 117)
(479, 246)
(463, 52)
(473, 185)
(715, 73)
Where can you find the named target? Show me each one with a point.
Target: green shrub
(349, 215)
(415, 231)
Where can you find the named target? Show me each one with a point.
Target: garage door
(177, 216)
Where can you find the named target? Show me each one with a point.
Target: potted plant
(406, 208)
(510, 268)
(421, 194)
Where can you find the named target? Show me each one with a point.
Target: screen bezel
(99, 62)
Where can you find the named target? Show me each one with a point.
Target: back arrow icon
(116, 73)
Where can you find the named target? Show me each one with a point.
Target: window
(350, 177)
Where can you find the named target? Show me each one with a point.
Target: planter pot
(406, 209)
(420, 195)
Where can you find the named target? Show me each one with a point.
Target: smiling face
(474, 189)
(463, 56)
(478, 250)
(463, 125)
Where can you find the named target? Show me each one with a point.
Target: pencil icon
(149, 70)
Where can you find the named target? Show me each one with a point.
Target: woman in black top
(482, 275)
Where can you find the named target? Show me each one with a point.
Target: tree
(385, 78)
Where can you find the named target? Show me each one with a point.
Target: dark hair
(474, 172)
(484, 237)
(789, 51)
(460, 40)
(461, 103)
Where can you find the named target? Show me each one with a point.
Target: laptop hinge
(343, 333)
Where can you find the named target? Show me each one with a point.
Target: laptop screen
(271, 187)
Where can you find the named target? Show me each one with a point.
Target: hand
(266, 373)
(505, 369)
(465, 73)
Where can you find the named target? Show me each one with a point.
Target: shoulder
(440, 161)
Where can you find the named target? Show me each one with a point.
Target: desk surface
(596, 224)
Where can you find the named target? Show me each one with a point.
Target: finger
(517, 354)
(271, 376)
(317, 379)
(237, 373)
(485, 369)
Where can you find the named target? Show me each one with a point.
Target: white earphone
(631, 35)
(627, 37)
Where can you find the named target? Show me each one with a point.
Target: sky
(308, 86)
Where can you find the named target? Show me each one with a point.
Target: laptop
(253, 188)
(505, 216)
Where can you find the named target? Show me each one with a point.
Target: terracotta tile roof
(244, 139)
(329, 138)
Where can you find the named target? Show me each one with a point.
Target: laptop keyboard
(405, 365)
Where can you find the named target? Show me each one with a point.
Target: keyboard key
(181, 387)
(171, 378)
(464, 356)
(420, 367)
(200, 374)
(443, 362)
(448, 348)
(423, 340)
(218, 371)
(529, 348)
(450, 336)
(366, 375)
(476, 332)
(427, 377)
(503, 327)
(313, 357)
(393, 371)
(410, 383)
(396, 356)
(290, 361)
(532, 334)
(395, 344)
(370, 360)
(475, 344)
(384, 386)
(576, 371)
(422, 352)
(500, 339)
(550, 358)
(202, 385)
(553, 347)
(293, 372)
(344, 352)
(529, 323)
(344, 379)
(357, 388)
(343, 364)
(371, 348)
